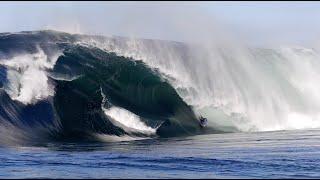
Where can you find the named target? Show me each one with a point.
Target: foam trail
(128, 121)
(125, 119)
(113, 138)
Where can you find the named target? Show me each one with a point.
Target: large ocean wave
(63, 86)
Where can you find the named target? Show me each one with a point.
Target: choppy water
(281, 154)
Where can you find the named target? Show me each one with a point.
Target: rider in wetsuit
(203, 121)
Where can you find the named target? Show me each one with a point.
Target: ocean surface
(277, 154)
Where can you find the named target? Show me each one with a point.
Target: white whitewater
(127, 120)
(27, 78)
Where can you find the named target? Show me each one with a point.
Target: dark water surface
(281, 154)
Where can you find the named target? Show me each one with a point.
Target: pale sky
(252, 22)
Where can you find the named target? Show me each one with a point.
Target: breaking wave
(61, 86)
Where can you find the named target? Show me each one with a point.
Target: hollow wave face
(116, 92)
(61, 86)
